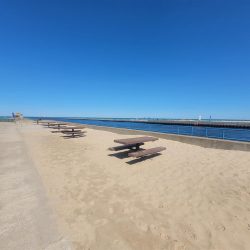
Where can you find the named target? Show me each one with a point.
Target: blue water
(210, 132)
(5, 119)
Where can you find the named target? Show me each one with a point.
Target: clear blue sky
(125, 58)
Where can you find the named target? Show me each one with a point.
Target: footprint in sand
(127, 210)
(111, 210)
(154, 229)
(189, 232)
(164, 236)
(220, 227)
(163, 205)
(77, 212)
(101, 222)
(142, 226)
(179, 246)
(121, 245)
(92, 203)
(159, 231)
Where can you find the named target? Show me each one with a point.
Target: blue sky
(125, 58)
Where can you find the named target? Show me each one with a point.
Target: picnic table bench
(145, 152)
(135, 143)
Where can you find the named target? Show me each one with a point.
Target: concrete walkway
(26, 220)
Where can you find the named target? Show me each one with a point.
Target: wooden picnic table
(48, 124)
(132, 143)
(73, 131)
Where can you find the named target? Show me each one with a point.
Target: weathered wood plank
(136, 140)
(145, 152)
(127, 146)
(72, 132)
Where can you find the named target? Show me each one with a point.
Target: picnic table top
(46, 121)
(56, 124)
(136, 140)
(73, 127)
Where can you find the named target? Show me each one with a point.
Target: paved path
(26, 220)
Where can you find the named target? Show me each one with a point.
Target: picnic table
(73, 130)
(48, 123)
(58, 125)
(42, 122)
(134, 145)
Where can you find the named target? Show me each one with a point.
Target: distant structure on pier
(17, 115)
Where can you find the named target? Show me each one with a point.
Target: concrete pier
(26, 219)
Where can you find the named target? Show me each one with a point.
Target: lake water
(210, 132)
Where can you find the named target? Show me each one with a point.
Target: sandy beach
(190, 197)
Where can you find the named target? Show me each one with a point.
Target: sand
(189, 197)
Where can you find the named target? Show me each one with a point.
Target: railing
(208, 132)
(218, 133)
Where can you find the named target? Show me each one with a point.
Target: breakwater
(201, 123)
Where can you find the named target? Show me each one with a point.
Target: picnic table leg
(135, 147)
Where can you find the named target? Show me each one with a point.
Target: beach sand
(189, 197)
